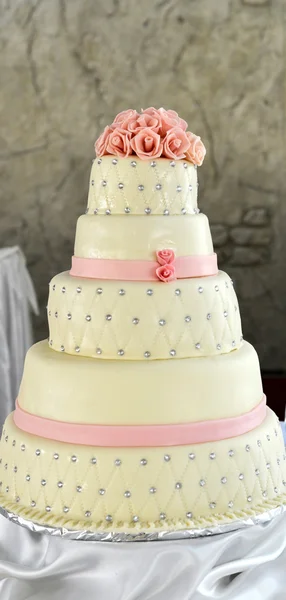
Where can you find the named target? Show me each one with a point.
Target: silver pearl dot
(230, 504)
(216, 288)
(33, 504)
(249, 499)
(48, 508)
(247, 448)
(18, 499)
(212, 504)
(241, 476)
(162, 516)
(212, 455)
(140, 188)
(268, 438)
(202, 482)
(133, 163)
(200, 289)
(66, 509)
(275, 431)
(178, 485)
(230, 453)
(177, 292)
(192, 456)
(74, 458)
(183, 211)
(51, 342)
(276, 490)
(63, 290)
(267, 465)
(43, 482)
(6, 467)
(158, 186)
(185, 165)
(187, 319)
(54, 287)
(218, 346)
(114, 161)
(62, 348)
(87, 514)
(78, 289)
(15, 469)
(56, 314)
(152, 490)
(101, 492)
(50, 313)
(60, 484)
(127, 210)
(104, 183)
(88, 318)
(108, 317)
(153, 163)
(14, 443)
(23, 447)
(147, 210)
(108, 518)
(172, 352)
(127, 494)
(38, 452)
(143, 462)
(99, 291)
(189, 515)
(121, 186)
(172, 163)
(264, 494)
(79, 488)
(56, 456)
(77, 349)
(69, 316)
(257, 471)
(121, 292)
(179, 188)
(190, 187)
(28, 477)
(95, 211)
(120, 352)
(147, 354)
(259, 443)
(93, 460)
(167, 457)
(197, 346)
(7, 489)
(278, 461)
(117, 462)
(233, 343)
(135, 519)
(135, 321)
(226, 284)
(149, 292)
(98, 351)
(166, 212)
(225, 313)
(108, 211)
(223, 480)
(99, 161)
(209, 316)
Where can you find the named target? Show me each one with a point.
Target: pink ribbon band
(143, 270)
(144, 436)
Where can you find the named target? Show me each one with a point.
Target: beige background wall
(67, 67)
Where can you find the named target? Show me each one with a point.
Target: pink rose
(101, 142)
(147, 144)
(170, 119)
(118, 142)
(143, 121)
(166, 273)
(196, 152)
(125, 118)
(176, 143)
(165, 257)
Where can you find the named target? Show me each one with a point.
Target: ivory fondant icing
(145, 408)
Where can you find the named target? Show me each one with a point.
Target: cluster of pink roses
(151, 134)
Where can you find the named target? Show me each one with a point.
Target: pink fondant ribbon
(118, 436)
(181, 267)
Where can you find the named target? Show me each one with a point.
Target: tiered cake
(144, 409)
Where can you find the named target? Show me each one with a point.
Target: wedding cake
(144, 410)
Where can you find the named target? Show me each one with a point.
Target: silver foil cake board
(144, 536)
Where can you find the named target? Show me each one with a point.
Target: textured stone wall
(67, 66)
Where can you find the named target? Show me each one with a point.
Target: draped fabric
(247, 564)
(17, 299)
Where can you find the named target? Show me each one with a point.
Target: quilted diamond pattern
(126, 320)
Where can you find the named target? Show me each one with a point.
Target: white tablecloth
(248, 564)
(17, 299)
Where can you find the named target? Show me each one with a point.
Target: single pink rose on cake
(143, 121)
(124, 118)
(165, 257)
(118, 142)
(147, 144)
(166, 273)
(196, 152)
(176, 143)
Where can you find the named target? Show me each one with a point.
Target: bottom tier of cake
(84, 487)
